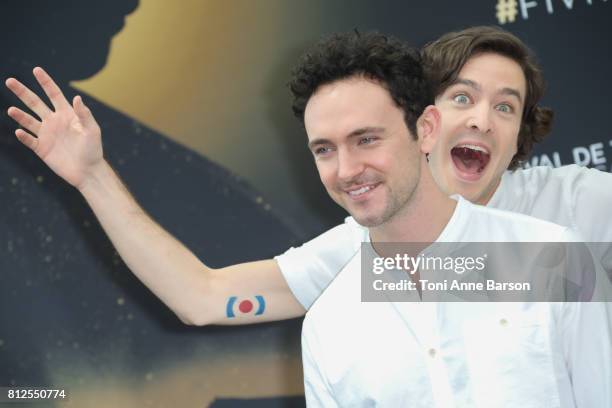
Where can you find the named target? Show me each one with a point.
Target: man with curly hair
(490, 121)
(360, 97)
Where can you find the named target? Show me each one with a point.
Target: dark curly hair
(445, 57)
(389, 61)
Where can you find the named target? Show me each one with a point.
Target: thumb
(83, 112)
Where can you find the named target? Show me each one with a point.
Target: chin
(468, 191)
(367, 220)
(476, 192)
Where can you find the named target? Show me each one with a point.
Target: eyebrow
(354, 133)
(477, 87)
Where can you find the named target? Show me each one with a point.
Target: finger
(29, 98)
(27, 139)
(83, 112)
(24, 119)
(53, 91)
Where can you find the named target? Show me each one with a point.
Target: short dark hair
(387, 60)
(445, 57)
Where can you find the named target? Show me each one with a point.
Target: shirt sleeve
(308, 269)
(317, 389)
(586, 334)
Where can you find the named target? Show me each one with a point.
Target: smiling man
(487, 86)
(358, 96)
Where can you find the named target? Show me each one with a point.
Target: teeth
(360, 191)
(474, 147)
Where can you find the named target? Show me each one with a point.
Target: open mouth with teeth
(470, 160)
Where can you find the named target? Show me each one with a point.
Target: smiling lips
(357, 193)
(470, 160)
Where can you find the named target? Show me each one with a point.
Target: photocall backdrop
(195, 112)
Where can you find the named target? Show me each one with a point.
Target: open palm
(66, 138)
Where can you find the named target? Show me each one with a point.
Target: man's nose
(480, 119)
(349, 165)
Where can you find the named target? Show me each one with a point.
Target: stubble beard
(396, 204)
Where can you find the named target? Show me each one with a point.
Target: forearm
(198, 294)
(161, 262)
(68, 139)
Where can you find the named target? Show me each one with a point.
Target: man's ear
(428, 127)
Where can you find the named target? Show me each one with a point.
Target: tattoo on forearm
(254, 306)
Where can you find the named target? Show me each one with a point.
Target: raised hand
(67, 138)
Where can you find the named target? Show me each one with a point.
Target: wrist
(94, 177)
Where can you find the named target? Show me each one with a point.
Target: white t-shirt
(448, 355)
(572, 196)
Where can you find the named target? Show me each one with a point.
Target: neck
(484, 200)
(422, 219)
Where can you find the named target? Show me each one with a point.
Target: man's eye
(504, 107)
(321, 151)
(461, 98)
(366, 140)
